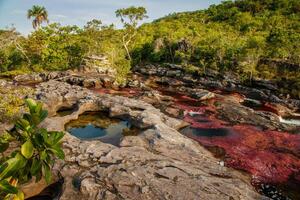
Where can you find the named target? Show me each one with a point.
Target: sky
(78, 12)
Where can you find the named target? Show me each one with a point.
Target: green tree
(39, 15)
(94, 25)
(130, 18)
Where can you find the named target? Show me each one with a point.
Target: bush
(11, 103)
(34, 157)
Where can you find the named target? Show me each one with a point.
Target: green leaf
(47, 173)
(27, 149)
(38, 108)
(20, 195)
(7, 188)
(11, 166)
(38, 176)
(23, 124)
(31, 104)
(35, 166)
(58, 152)
(43, 155)
(54, 138)
(3, 146)
(43, 115)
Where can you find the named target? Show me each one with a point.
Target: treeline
(56, 47)
(230, 36)
(252, 38)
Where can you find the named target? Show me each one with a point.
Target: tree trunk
(127, 51)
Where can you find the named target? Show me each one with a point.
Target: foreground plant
(35, 156)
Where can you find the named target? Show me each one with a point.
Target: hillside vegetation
(252, 38)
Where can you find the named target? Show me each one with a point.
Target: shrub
(34, 157)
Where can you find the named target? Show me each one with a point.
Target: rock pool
(97, 125)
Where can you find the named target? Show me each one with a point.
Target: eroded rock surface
(159, 163)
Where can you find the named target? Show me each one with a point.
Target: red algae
(271, 157)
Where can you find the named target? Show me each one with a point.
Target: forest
(254, 39)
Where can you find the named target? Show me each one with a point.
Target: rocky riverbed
(192, 134)
(158, 163)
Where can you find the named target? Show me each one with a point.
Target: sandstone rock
(173, 112)
(28, 78)
(204, 95)
(92, 83)
(159, 163)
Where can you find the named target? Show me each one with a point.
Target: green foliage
(234, 36)
(35, 156)
(57, 48)
(11, 103)
(130, 18)
(238, 36)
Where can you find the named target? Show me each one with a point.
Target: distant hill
(255, 38)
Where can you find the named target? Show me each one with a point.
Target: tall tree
(130, 18)
(39, 15)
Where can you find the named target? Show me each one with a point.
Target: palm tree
(40, 15)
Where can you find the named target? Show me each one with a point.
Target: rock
(28, 78)
(92, 83)
(174, 112)
(203, 95)
(173, 73)
(252, 103)
(158, 163)
(134, 83)
(3, 83)
(265, 84)
(107, 81)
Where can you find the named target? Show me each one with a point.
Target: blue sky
(78, 12)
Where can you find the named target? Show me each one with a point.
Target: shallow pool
(97, 125)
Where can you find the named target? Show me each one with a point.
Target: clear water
(205, 132)
(98, 126)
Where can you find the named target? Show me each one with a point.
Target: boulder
(203, 95)
(28, 78)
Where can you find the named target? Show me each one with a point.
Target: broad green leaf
(19, 196)
(31, 104)
(58, 152)
(38, 108)
(22, 160)
(27, 149)
(47, 173)
(11, 166)
(7, 188)
(35, 166)
(43, 155)
(57, 136)
(38, 176)
(43, 115)
(23, 124)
